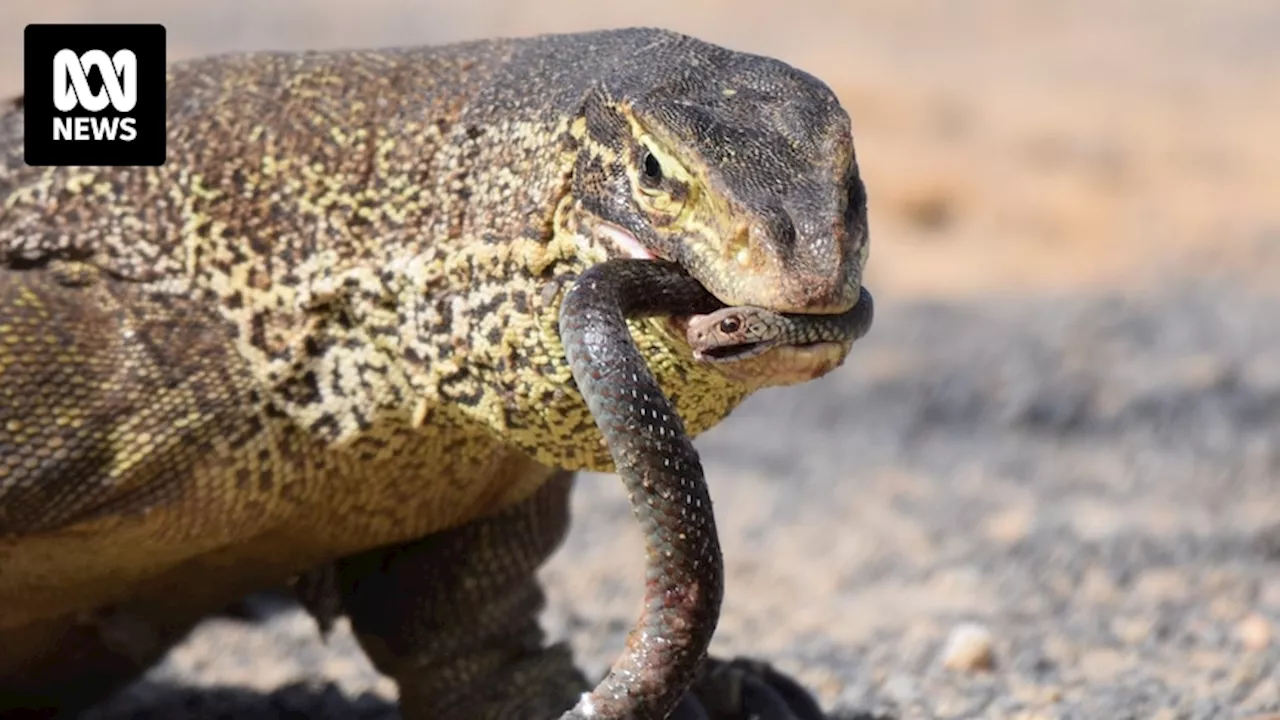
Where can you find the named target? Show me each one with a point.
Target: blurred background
(1047, 485)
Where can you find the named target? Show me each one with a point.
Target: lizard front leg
(453, 618)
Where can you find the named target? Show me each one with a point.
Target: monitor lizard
(325, 340)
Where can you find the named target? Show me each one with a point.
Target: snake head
(730, 334)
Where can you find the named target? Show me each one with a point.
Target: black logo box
(41, 43)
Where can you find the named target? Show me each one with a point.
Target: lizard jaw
(788, 364)
(777, 366)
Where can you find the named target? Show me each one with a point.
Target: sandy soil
(1063, 434)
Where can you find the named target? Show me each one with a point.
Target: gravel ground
(1016, 507)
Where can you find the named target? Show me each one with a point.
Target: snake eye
(730, 325)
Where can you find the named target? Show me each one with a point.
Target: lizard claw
(744, 688)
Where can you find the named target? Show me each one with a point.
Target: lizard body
(325, 330)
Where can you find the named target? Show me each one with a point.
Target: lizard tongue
(624, 241)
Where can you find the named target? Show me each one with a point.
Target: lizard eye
(729, 325)
(662, 186)
(652, 174)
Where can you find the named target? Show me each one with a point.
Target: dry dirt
(1060, 442)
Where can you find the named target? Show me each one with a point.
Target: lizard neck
(489, 348)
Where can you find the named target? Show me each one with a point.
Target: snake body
(661, 470)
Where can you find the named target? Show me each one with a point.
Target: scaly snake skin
(662, 472)
(737, 333)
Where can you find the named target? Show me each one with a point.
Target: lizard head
(738, 167)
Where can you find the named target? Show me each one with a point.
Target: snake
(656, 460)
(733, 334)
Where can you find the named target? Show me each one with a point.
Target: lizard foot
(744, 688)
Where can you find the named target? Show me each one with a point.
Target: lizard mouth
(760, 365)
(624, 242)
(756, 364)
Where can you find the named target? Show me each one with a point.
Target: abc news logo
(71, 90)
(94, 95)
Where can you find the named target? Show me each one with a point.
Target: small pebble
(902, 688)
(1254, 632)
(969, 648)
